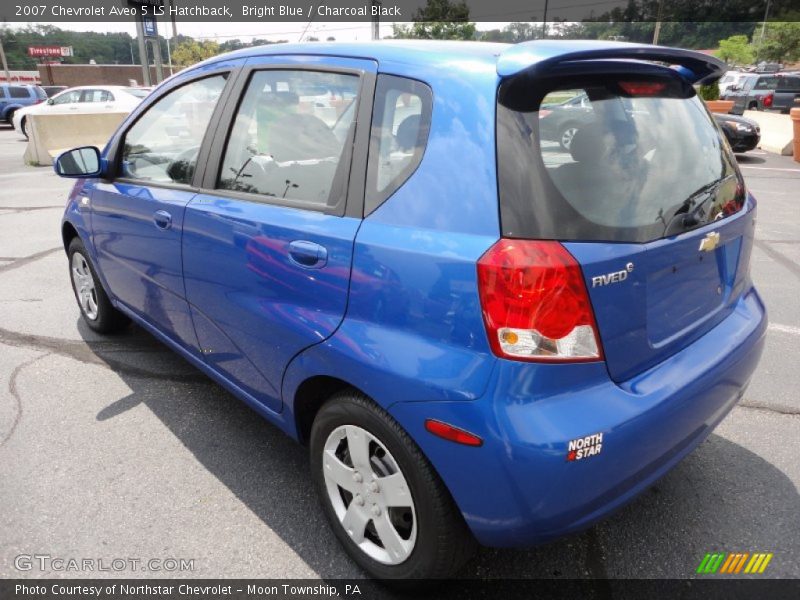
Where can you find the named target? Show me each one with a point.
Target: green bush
(710, 91)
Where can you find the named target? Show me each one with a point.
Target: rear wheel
(753, 106)
(383, 499)
(566, 135)
(23, 125)
(10, 117)
(96, 309)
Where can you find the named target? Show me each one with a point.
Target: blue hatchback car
(481, 334)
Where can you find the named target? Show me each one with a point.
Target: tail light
(535, 303)
(768, 99)
(544, 112)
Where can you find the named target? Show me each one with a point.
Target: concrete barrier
(776, 131)
(50, 135)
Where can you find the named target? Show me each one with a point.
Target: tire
(23, 125)
(10, 117)
(753, 106)
(96, 309)
(565, 135)
(431, 536)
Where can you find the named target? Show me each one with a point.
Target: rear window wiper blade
(687, 212)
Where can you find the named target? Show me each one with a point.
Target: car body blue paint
(395, 310)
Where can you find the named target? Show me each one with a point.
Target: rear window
(40, 93)
(610, 159)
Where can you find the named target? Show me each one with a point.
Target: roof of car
(509, 59)
(394, 50)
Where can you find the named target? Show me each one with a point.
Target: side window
(289, 138)
(96, 96)
(17, 91)
(68, 97)
(162, 146)
(2, 91)
(401, 121)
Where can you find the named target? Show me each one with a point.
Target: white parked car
(83, 99)
(731, 78)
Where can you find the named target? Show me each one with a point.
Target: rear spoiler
(543, 56)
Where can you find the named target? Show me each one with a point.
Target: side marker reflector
(452, 433)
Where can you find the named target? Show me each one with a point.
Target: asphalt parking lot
(115, 447)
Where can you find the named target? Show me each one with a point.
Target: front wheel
(23, 125)
(96, 309)
(383, 499)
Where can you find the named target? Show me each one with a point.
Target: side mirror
(50, 101)
(80, 162)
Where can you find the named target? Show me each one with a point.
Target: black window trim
(232, 74)
(354, 153)
(426, 117)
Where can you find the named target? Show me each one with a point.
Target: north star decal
(584, 447)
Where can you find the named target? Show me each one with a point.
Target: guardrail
(50, 135)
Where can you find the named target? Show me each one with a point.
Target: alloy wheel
(83, 280)
(369, 494)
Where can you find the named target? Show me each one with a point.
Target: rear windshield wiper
(687, 213)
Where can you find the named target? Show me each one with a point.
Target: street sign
(49, 51)
(149, 25)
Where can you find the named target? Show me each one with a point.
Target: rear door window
(766, 83)
(610, 159)
(16, 91)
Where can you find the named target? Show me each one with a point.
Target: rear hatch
(646, 196)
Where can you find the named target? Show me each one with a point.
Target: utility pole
(376, 21)
(143, 58)
(657, 31)
(544, 21)
(172, 18)
(763, 31)
(5, 64)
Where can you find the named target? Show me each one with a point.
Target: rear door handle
(162, 219)
(308, 254)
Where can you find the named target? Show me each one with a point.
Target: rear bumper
(519, 488)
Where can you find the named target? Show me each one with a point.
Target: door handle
(308, 254)
(162, 219)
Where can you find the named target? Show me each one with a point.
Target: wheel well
(68, 232)
(310, 397)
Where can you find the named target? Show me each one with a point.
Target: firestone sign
(49, 51)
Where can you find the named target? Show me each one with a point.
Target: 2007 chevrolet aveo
(481, 333)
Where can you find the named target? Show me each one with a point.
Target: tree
(190, 52)
(513, 33)
(736, 50)
(438, 20)
(781, 42)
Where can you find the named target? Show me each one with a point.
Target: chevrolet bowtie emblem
(711, 241)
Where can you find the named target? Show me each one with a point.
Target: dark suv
(15, 96)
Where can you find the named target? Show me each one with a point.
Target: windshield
(631, 161)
